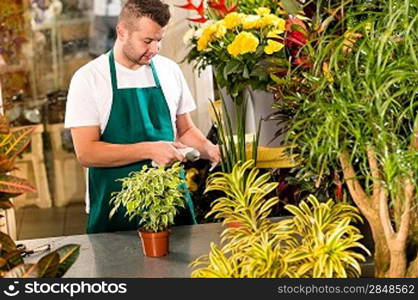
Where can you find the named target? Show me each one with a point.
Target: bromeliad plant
(318, 241)
(361, 119)
(153, 195)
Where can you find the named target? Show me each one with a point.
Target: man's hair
(154, 9)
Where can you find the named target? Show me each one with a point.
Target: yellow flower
(244, 42)
(262, 11)
(220, 30)
(233, 20)
(272, 46)
(274, 20)
(203, 42)
(275, 34)
(250, 21)
(191, 184)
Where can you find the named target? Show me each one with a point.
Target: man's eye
(148, 42)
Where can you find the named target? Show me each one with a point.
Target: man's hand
(212, 153)
(166, 153)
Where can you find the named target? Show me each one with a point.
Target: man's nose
(154, 47)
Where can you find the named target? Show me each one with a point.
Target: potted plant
(152, 195)
(244, 43)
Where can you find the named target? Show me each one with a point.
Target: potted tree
(360, 118)
(152, 195)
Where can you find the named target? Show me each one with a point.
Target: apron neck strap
(113, 72)
(154, 73)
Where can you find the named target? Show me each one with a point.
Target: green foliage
(318, 241)
(364, 93)
(52, 265)
(152, 194)
(244, 195)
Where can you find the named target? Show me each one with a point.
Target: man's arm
(190, 135)
(91, 152)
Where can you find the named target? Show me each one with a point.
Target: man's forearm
(102, 154)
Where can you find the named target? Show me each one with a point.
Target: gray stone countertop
(119, 254)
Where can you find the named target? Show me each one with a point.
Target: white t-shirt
(90, 95)
(102, 8)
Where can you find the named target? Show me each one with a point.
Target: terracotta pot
(154, 244)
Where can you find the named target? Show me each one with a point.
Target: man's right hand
(166, 153)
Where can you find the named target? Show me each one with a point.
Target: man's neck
(121, 58)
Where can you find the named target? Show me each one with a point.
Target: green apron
(137, 115)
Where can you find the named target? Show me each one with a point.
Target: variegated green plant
(318, 241)
(12, 143)
(153, 195)
(245, 191)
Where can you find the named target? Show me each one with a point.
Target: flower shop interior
(313, 105)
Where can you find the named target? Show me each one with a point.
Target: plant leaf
(67, 256)
(48, 265)
(15, 185)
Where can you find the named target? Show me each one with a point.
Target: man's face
(141, 42)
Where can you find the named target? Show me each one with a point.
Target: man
(129, 107)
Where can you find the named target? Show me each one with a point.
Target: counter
(120, 254)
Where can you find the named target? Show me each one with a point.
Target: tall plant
(360, 117)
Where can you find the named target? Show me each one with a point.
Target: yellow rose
(274, 20)
(244, 42)
(220, 30)
(250, 21)
(275, 34)
(272, 46)
(203, 42)
(233, 20)
(262, 11)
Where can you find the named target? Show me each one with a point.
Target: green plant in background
(52, 265)
(359, 117)
(244, 195)
(12, 143)
(318, 241)
(153, 195)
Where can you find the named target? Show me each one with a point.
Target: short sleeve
(81, 108)
(186, 102)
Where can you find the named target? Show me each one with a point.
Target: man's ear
(121, 31)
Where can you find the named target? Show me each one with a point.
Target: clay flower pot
(154, 244)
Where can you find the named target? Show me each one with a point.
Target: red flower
(218, 5)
